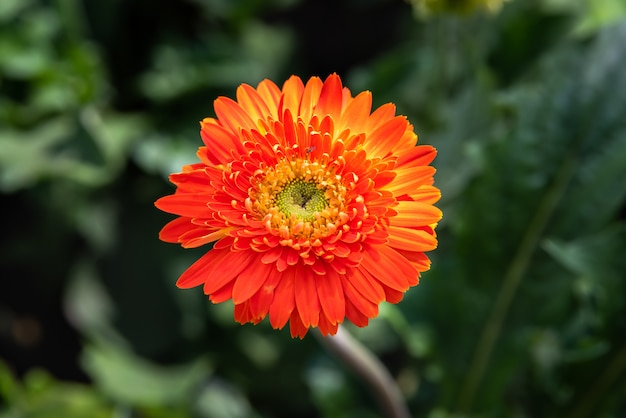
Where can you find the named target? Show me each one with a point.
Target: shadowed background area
(522, 313)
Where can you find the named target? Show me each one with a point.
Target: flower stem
(510, 284)
(366, 365)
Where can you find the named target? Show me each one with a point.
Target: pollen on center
(302, 199)
(299, 199)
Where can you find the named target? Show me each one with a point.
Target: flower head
(318, 209)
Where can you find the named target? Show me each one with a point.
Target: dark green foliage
(522, 314)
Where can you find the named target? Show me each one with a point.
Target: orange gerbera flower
(318, 209)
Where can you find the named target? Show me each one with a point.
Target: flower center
(299, 199)
(302, 199)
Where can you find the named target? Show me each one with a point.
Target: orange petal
(407, 181)
(192, 181)
(270, 93)
(261, 301)
(242, 313)
(172, 231)
(219, 276)
(222, 294)
(291, 96)
(198, 272)
(310, 96)
(356, 113)
(220, 142)
(388, 267)
(385, 137)
(307, 300)
(296, 326)
(392, 295)
(355, 315)
(326, 327)
(419, 260)
(190, 205)
(364, 304)
(232, 115)
(252, 103)
(331, 297)
(250, 280)
(380, 116)
(284, 300)
(201, 236)
(426, 194)
(330, 99)
(368, 287)
(411, 213)
(270, 256)
(416, 156)
(411, 239)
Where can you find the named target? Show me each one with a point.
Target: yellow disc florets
(299, 199)
(302, 199)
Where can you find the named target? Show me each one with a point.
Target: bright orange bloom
(319, 209)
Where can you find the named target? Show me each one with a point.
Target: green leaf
(42, 396)
(129, 379)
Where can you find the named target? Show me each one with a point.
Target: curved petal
(331, 98)
(199, 271)
(270, 93)
(310, 96)
(232, 115)
(284, 299)
(172, 231)
(356, 113)
(296, 326)
(392, 270)
(412, 213)
(411, 239)
(307, 299)
(218, 275)
(331, 297)
(250, 280)
(385, 137)
(252, 103)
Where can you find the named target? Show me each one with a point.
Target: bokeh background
(523, 313)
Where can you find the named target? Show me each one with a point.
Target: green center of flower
(302, 199)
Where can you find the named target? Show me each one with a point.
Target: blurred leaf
(179, 70)
(561, 161)
(11, 8)
(88, 306)
(25, 51)
(8, 386)
(426, 8)
(218, 399)
(600, 13)
(157, 154)
(129, 379)
(263, 351)
(24, 156)
(58, 149)
(113, 133)
(590, 256)
(41, 396)
(591, 15)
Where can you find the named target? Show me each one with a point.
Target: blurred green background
(523, 313)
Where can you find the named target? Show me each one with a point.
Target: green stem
(365, 364)
(600, 386)
(510, 284)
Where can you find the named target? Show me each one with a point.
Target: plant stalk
(366, 365)
(510, 284)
